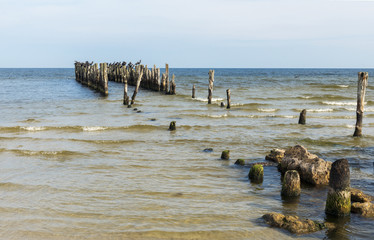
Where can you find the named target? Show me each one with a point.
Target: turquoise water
(78, 165)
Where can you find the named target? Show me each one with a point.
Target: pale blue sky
(188, 33)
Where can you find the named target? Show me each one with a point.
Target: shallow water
(78, 165)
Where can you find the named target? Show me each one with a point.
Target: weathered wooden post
(138, 81)
(172, 85)
(210, 89)
(361, 89)
(228, 99)
(163, 82)
(302, 117)
(338, 202)
(172, 126)
(125, 96)
(193, 91)
(166, 78)
(291, 184)
(105, 83)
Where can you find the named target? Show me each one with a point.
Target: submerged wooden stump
(256, 173)
(291, 184)
(338, 202)
(172, 126)
(361, 89)
(193, 91)
(228, 99)
(225, 155)
(302, 118)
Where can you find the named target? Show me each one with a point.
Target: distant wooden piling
(302, 118)
(210, 88)
(228, 99)
(91, 75)
(166, 78)
(193, 91)
(361, 89)
(172, 85)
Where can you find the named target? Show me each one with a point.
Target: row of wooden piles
(151, 79)
(91, 75)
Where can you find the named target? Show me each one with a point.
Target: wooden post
(105, 82)
(302, 117)
(163, 82)
(172, 85)
(361, 89)
(167, 78)
(210, 89)
(228, 99)
(256, 173)
(338, 202)
(193, 91)
(291, 184)
(140, 75)
(125, 96)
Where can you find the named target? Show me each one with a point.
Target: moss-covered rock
(366, 209)
(358, 196)
(275, 155)
(240, 162)
(292, 223)
(256, 173)
(225, 155)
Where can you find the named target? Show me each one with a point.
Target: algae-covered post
(125, 96)
(210, 89)
(139, 74)
(256, 173)
(193, 91)
(291, 184)
(302, 118)
(361, 89)
(228, 98)
(166, 78)
(338, 202)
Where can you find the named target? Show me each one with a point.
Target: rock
(358, 196)
(312, 169)
(135, 109)
(291, 184)
(139, 111)
(275, 155)
(240, 162)
(172, 126)
(292, 223)
(208, 150)
(264, 164)
(256, 173)
(366, 209)
(338, 202)
(225, 155)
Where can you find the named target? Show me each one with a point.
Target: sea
(77, 165)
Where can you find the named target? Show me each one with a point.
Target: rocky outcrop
(292, 223)
(358, 196)
(312, 169)
(366, 209)
(275, 155)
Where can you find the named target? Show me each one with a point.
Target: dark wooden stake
(193, 91)
(302, 117)
(210, 89)
(228, 99)
(361, 89)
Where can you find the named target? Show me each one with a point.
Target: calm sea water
(75, 165)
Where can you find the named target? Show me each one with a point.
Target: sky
(188, 33)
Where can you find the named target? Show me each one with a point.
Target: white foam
(218, 116)
(267, 109)
(321, 110)
(340, 103)
(33, 129)
(91, 129)
(206, 99)
(349, 126)
(343, 86)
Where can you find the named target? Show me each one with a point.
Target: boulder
(358, 196)
(312, 169)
(366, 209)
(275, 155)
(292, 223)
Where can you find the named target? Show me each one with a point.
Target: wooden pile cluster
(91, 75)
(151, 78)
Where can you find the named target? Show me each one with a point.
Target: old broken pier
(97, 78)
